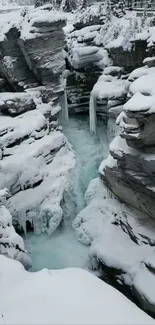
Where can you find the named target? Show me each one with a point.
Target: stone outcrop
(31, 51)
(12, 62)
(43, 53)
(129, 173)
(132, 153)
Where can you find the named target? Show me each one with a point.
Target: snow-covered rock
(11, 244)
(31, 48)
(110, 91)
(35, 156)
(129, 174)
(43, 176)
(121, 239)
(16, 103)
(15, 130)
(71, 290)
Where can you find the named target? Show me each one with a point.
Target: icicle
(64, 104)
(92, 113)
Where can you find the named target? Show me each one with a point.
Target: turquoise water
(62, 249)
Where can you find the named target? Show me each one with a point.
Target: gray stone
(12, 62)
(129, 59)
(16, 103)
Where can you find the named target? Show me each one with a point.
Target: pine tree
(144, 17)
(118, 7)
(68, 5)
(108, 9)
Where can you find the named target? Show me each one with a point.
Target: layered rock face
(128, 172)
(133, 150)
(35, 156)
(43, 53)
(31, 49)
(12, 62)
(85, 59)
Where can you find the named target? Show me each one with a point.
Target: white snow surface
(140, 103)
(109, 89)
(144, 84)
(30, 124)
(69, 296)
(140, 72)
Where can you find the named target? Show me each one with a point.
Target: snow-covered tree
(108, 9)
(68, 5)
(118, 7)
(144, 17)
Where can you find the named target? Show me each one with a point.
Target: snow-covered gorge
(38, 163)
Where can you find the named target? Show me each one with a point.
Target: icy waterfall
(64, 103)
(62, 249)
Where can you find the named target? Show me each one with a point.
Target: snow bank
(144, 84)
(56, 297)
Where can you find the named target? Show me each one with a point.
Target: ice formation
(92, 113)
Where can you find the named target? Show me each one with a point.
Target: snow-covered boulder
(44, 293)
(11, 244)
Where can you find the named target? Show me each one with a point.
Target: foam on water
(62, 249)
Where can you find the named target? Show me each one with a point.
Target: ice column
(92, 113)
(65, 104)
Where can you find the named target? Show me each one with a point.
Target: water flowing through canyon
(62, 249)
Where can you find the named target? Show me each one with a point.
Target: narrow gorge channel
(62, 249)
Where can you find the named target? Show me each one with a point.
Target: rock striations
(129, 173)
(35, 156)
